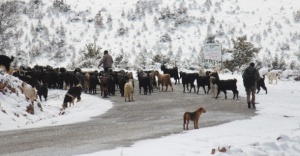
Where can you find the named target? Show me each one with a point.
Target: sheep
(261, 83)
(172, 72)
(224, 85)
(272, 76)
(5, 62)
(128, 90)
(29, 92)
(163, 80)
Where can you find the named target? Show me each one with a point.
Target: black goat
(42, 90)
(6, 61)
(144, 81)
(224, 85)
(173, 72)
(261, 83)
(188, 79)
(122, 79)
(203, 81)
(73, 92)
(93, 82)
(183, 76)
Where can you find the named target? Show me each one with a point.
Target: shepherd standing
(250, 76)
(107, 61)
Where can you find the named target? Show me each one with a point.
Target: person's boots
(253, 105)
(249, 105)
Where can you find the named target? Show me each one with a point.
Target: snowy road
(149, 116)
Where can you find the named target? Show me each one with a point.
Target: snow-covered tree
(141, 58)
(275, 62)
(297, 16)
(243, 51)
(99, 20)
(9, 20)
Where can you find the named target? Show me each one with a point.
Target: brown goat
(163, 80)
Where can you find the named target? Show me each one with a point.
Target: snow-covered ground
(275, 130)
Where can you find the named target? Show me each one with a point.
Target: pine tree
(297, 54)
(99, 20)
(157, 58)
(142, 58)
(293, 64)
(210, 39)
(212, 20)
(243, 51)
(282, 64)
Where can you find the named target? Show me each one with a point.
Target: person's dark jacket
(250, 70)
(107, 61)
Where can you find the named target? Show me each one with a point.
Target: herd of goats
(37, 81)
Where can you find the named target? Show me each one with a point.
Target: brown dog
(193, 116)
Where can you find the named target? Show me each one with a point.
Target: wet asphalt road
(149, 116)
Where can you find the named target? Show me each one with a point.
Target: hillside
(57, 32)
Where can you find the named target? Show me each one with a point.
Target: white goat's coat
(29, 92)
(272, 76)
(128, 90)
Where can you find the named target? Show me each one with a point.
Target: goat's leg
(207, 89)
(218, 93)
(225, 92)
(258, 89)
(171, 85)
(234, 93)
(204, 89)
(191, 88)
(265, 88)
(140, 88)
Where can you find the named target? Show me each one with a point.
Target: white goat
(272, 76)
(128, 90)
(29, 92)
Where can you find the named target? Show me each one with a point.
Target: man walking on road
(250, 76)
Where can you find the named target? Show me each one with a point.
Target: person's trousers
(251, 94)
